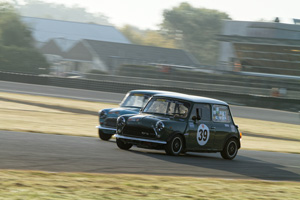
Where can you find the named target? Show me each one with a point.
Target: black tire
(174, 146)
(122, 145)
(104, 136)
(230, 149)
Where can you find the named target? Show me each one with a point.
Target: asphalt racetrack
(59, 153)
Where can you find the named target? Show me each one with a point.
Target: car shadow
(243, 166)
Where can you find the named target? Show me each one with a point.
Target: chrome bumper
(140, 139)
(105, 128)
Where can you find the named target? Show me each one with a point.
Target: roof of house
(148, 54)
(64, 44)
(269, 30)
(45, 29)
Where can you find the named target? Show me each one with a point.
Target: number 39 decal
(202, 134)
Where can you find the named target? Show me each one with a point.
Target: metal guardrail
(119, 84)
(196, 85)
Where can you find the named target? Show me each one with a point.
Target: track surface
(238, 111)
(59, 153)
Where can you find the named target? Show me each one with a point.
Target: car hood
(122, 111)
(145, 120)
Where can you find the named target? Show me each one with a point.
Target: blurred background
(188, 48)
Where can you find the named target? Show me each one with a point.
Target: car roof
(192, 98)
(151, 92)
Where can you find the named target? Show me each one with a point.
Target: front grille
(110, 122)
(139, 132)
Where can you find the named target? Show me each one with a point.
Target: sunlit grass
(42, 185)
(71, 103)
(266, 144)
(268, 128)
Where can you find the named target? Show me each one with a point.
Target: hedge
(25, 60)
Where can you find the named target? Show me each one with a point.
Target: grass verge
(268, 128)
(31, 113)
(63, 186)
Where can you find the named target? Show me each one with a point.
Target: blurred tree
(132, 33)
(17, 52)
(36, 8)
(195, 30)
(147, 37)
(12, 31)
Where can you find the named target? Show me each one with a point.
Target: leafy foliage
(23, 60)
(12, 31)
(16, 44)
(196, 29)
(37, 8)
(147, 37)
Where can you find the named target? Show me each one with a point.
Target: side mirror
(198, 114)
(194, 118)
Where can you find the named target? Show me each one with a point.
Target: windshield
(168, 107)
(135, 100)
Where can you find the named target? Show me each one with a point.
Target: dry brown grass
(29, 185)
(268, 128)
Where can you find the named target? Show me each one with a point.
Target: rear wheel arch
(231, 137)
(230, 148)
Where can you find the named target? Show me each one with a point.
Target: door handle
(213, 128)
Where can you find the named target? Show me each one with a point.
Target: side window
(204, 111)
(221, 114)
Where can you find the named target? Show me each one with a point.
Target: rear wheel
(123, 145)
(230, 149)
(104, 136)
(174, 146)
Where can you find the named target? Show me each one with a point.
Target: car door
(200, 135)
(223, 125)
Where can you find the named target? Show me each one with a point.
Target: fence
(119, 84)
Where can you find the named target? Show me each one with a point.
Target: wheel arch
(231, 137)
(178, 133)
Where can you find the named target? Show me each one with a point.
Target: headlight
(102, 114)
(159, 126)
(121, 121)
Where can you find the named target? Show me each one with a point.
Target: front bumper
(113, 130)
(140, 139)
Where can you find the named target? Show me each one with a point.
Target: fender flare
(230, 137)
(177, 133)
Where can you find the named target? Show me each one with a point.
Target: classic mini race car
(132, 103)
(179, 123)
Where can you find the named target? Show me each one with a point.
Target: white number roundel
(202, 134)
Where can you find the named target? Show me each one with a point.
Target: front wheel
(122, 145)
(104, 136)
(174, 146)
(230, 149)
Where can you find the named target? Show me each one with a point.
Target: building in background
(43, 30)
(108, 57)
(53, 38)
(260, 47)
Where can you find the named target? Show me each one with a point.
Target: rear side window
(221, 114)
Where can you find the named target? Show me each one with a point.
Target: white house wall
(99, 65)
